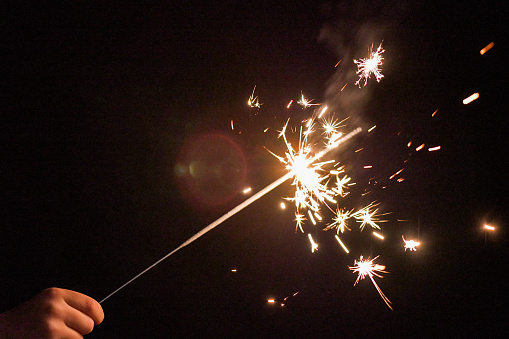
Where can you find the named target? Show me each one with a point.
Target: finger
(84, 304)
(66, 332)
(78, 321)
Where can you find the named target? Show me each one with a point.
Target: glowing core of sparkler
(366, 267)
(368, 66)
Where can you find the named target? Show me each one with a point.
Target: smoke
(352, 28)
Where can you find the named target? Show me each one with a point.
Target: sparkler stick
(232, 212)
(211, 226)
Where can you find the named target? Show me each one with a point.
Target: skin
(53, 313)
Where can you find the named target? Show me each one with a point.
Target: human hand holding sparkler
(53, 313)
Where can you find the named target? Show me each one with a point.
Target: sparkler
(368, 66)
(410, 244)
(294, 172)
(367, 268)
(310, 180)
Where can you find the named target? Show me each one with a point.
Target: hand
(53, 313)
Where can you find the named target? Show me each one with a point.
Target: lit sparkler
(368, 66)
(410, 244)
(367, 268)
(310, 178)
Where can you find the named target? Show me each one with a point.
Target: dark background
(103, 104)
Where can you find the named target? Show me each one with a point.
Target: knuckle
(51, 293)
(88, 326)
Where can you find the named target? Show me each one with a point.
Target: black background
(98, 101)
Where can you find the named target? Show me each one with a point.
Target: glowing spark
(234, 270)
(337, 63)
(342, 245)
(378, 235)
(305, 102)
(330, 126)
(339, 221)
(368, 166)
(489, 228)
(471, 98)
(372, 128)
(283, 206)
(368, 268)
(265, 130)
(409, 144)
(314, 245)
(432, 149)
(420, 147)
(289, 104)
(366, 67)
(410, 244)
(342, 88)
(341, 186)
(367, 216)
(232, 124)
(247, 190)
(487, 48)
(398, 172)
(323, 110)
(271, 301)
(432, 115)
(400, 180)
(253, 100)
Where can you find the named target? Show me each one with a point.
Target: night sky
(107, 109)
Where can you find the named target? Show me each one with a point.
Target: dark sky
(106, 107)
